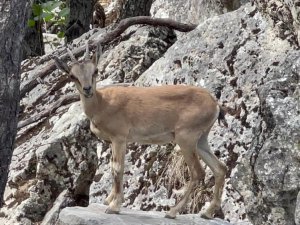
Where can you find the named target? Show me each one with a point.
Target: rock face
(94, 215)
(269, 176)
(254, 73)
(198, 10)
(284, 15)
(56, 158)
(127, 61)
(241, 57)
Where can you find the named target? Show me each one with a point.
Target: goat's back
(161, 108)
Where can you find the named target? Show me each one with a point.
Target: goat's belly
(151, 138)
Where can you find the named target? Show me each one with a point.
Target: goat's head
(83, 74)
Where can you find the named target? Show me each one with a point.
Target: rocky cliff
(254, 72)
(248, 58)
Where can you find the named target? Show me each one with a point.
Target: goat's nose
(87, 89)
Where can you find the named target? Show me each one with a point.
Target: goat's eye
(96, 72)
(72, 77)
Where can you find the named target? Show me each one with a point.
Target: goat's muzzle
(87, 91)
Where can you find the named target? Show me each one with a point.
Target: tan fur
(152, 115)
(149, 115)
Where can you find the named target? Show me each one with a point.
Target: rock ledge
(94, 215)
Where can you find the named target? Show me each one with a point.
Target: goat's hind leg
(111, 196)
(219, 170)
(197, 174)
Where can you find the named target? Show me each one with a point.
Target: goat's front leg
(115, 198)
(112, 193)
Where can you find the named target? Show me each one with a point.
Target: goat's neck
(90, 105)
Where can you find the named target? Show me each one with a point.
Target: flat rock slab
(95, 214)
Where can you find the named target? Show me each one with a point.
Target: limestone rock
(63, 200)
(284, 15)
(192, 11)
(131, 57)
(94, 215)
(242, 57)
(58, 154)
(254, 73)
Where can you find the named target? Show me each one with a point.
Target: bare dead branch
(108, 37)
(55, 87)
(50, 67)
(62, 101)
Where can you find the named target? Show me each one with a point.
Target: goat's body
(152, 115)
(157, 115)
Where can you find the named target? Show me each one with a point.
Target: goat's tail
(221, 116)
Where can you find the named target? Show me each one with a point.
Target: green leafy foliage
(50, 13)
(61, 34)
(37, 9)
(31, 23)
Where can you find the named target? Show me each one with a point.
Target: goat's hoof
(106, 202)
(110, 211)
(169, 216)
(205, 216)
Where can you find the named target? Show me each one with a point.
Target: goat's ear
(97, 55)
(60, 64)
(95, 59)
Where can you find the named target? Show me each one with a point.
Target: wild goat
(150, 115)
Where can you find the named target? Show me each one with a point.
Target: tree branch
(108, 37)
(62, 101)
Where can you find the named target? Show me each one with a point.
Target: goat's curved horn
(87, 52)
(72, 57)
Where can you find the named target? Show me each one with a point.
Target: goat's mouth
(88, 95)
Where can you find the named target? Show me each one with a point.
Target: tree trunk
(133, 8)
(12, 25)
(33, 44)
(81, 12)
(99, 16)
